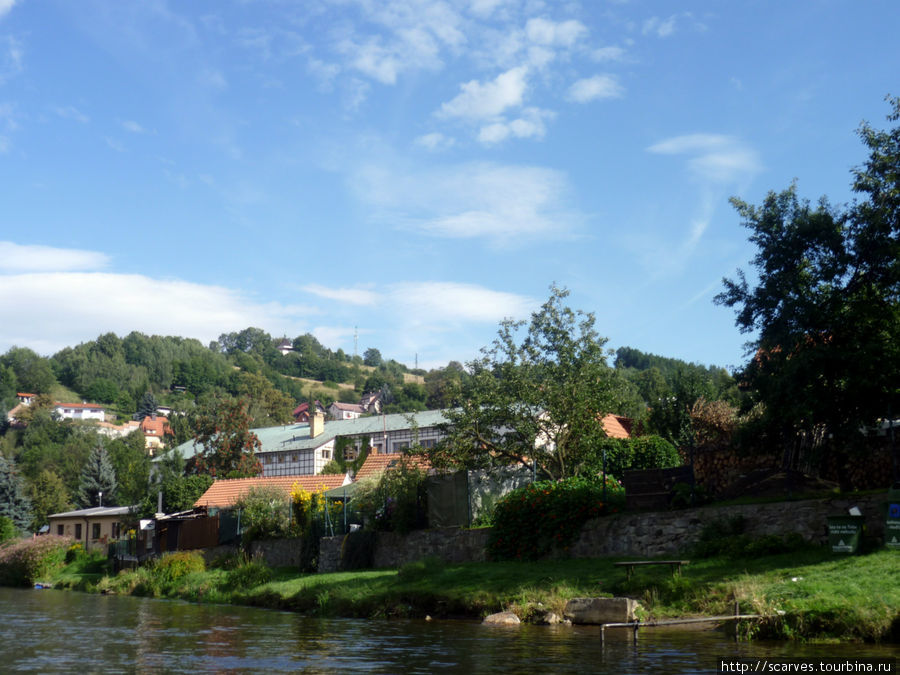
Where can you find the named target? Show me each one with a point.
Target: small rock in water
(502, 619)
(428, 617)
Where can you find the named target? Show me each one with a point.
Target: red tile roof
(224, 493)
(82, 406)
(375, 464)
(156, 427)
(617, 426)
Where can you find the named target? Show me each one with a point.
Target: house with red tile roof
(375, 464)
(301, 412)
(155, 428)
(224, 493)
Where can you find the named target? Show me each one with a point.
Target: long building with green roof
(304, 449)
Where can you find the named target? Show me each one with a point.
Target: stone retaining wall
(279, 552)
(627, 534)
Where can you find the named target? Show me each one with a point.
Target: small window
(326, 453)
(95, 531)
(60, 530)
(268, 459)
(116, 530)
(281, 459)
(78, 530)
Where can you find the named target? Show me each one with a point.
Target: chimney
(316, 424)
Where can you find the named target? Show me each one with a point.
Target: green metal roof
(296, 436)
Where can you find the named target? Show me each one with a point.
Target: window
(60, 530)
(326, 453)
(95, 531)
(400, 446)
(268, 459)
(427, 443)
(78, 530)
(116, 530)
(281, 459)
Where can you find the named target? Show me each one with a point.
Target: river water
(52, 631)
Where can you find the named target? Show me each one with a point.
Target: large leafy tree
(48, 495)
(14, 503)
(98, 476)
(826, 307)
(229, 447)
(548, 387)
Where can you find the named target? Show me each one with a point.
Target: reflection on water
(51, 631)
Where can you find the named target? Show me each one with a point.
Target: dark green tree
(131, 465)
(98, 476)
(372, 357)
(14, 503)
(147, 407)
(825, 310)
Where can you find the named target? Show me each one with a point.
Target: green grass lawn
(810, 594)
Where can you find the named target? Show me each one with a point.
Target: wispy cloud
(713, 157)
(659, 27)
(70, 112)
(352, 296)
(435, 141)
(595, 88)
(434, 301)
(133, 127)
(114, 144)
(18, 258)
(11, 56)
(5, 7)
(608, 54)
(529, 125)
(503, 204)
(478, 101)
(555, 34)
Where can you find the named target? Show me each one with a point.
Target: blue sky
(415, 170)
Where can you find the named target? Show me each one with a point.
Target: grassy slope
(821, 597)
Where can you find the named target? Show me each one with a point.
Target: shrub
(175, 566)
(531, 521)
(265, 514)
(8, 529)
(395, 500)
(627, 454)
(251, 572)
(26, 561)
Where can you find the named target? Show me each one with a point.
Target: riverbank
(809, 594)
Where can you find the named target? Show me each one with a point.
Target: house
(224, 493)
(301, 412)
(155, 429)
(371, 403)
(118, 431)
(617, 426)
(375, 464)
(285, 346)
(345, 411)
(305, 449)
(81, 411)
(95, 527)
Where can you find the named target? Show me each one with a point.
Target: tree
(372, 357)
(98, 480)
(147, 407)
(826, 307)
(14, 504)
(131, 464)
(48, 495)
(223, 429)
(550, 388)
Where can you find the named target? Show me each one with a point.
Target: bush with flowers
(25, 561)
(532, 521)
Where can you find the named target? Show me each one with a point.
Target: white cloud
(10, 57)
(660, 27)
(503, 204)
(530, 125)
(54, 310)
(550, 33)
(594, 88)
(715, 157)
(133, 127)
(114, 144)
(608, 54)
(435, 141)
(353, 296)
(478, 101)
(6, 6)
(17, 258)
(375, 61)
(434, 301)
(72, 113)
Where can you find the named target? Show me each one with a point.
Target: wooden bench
(674, 564)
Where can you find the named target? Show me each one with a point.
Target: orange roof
(158, 427)
(617, 426)
(83, 406)
(377, 463)
(224, 493)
